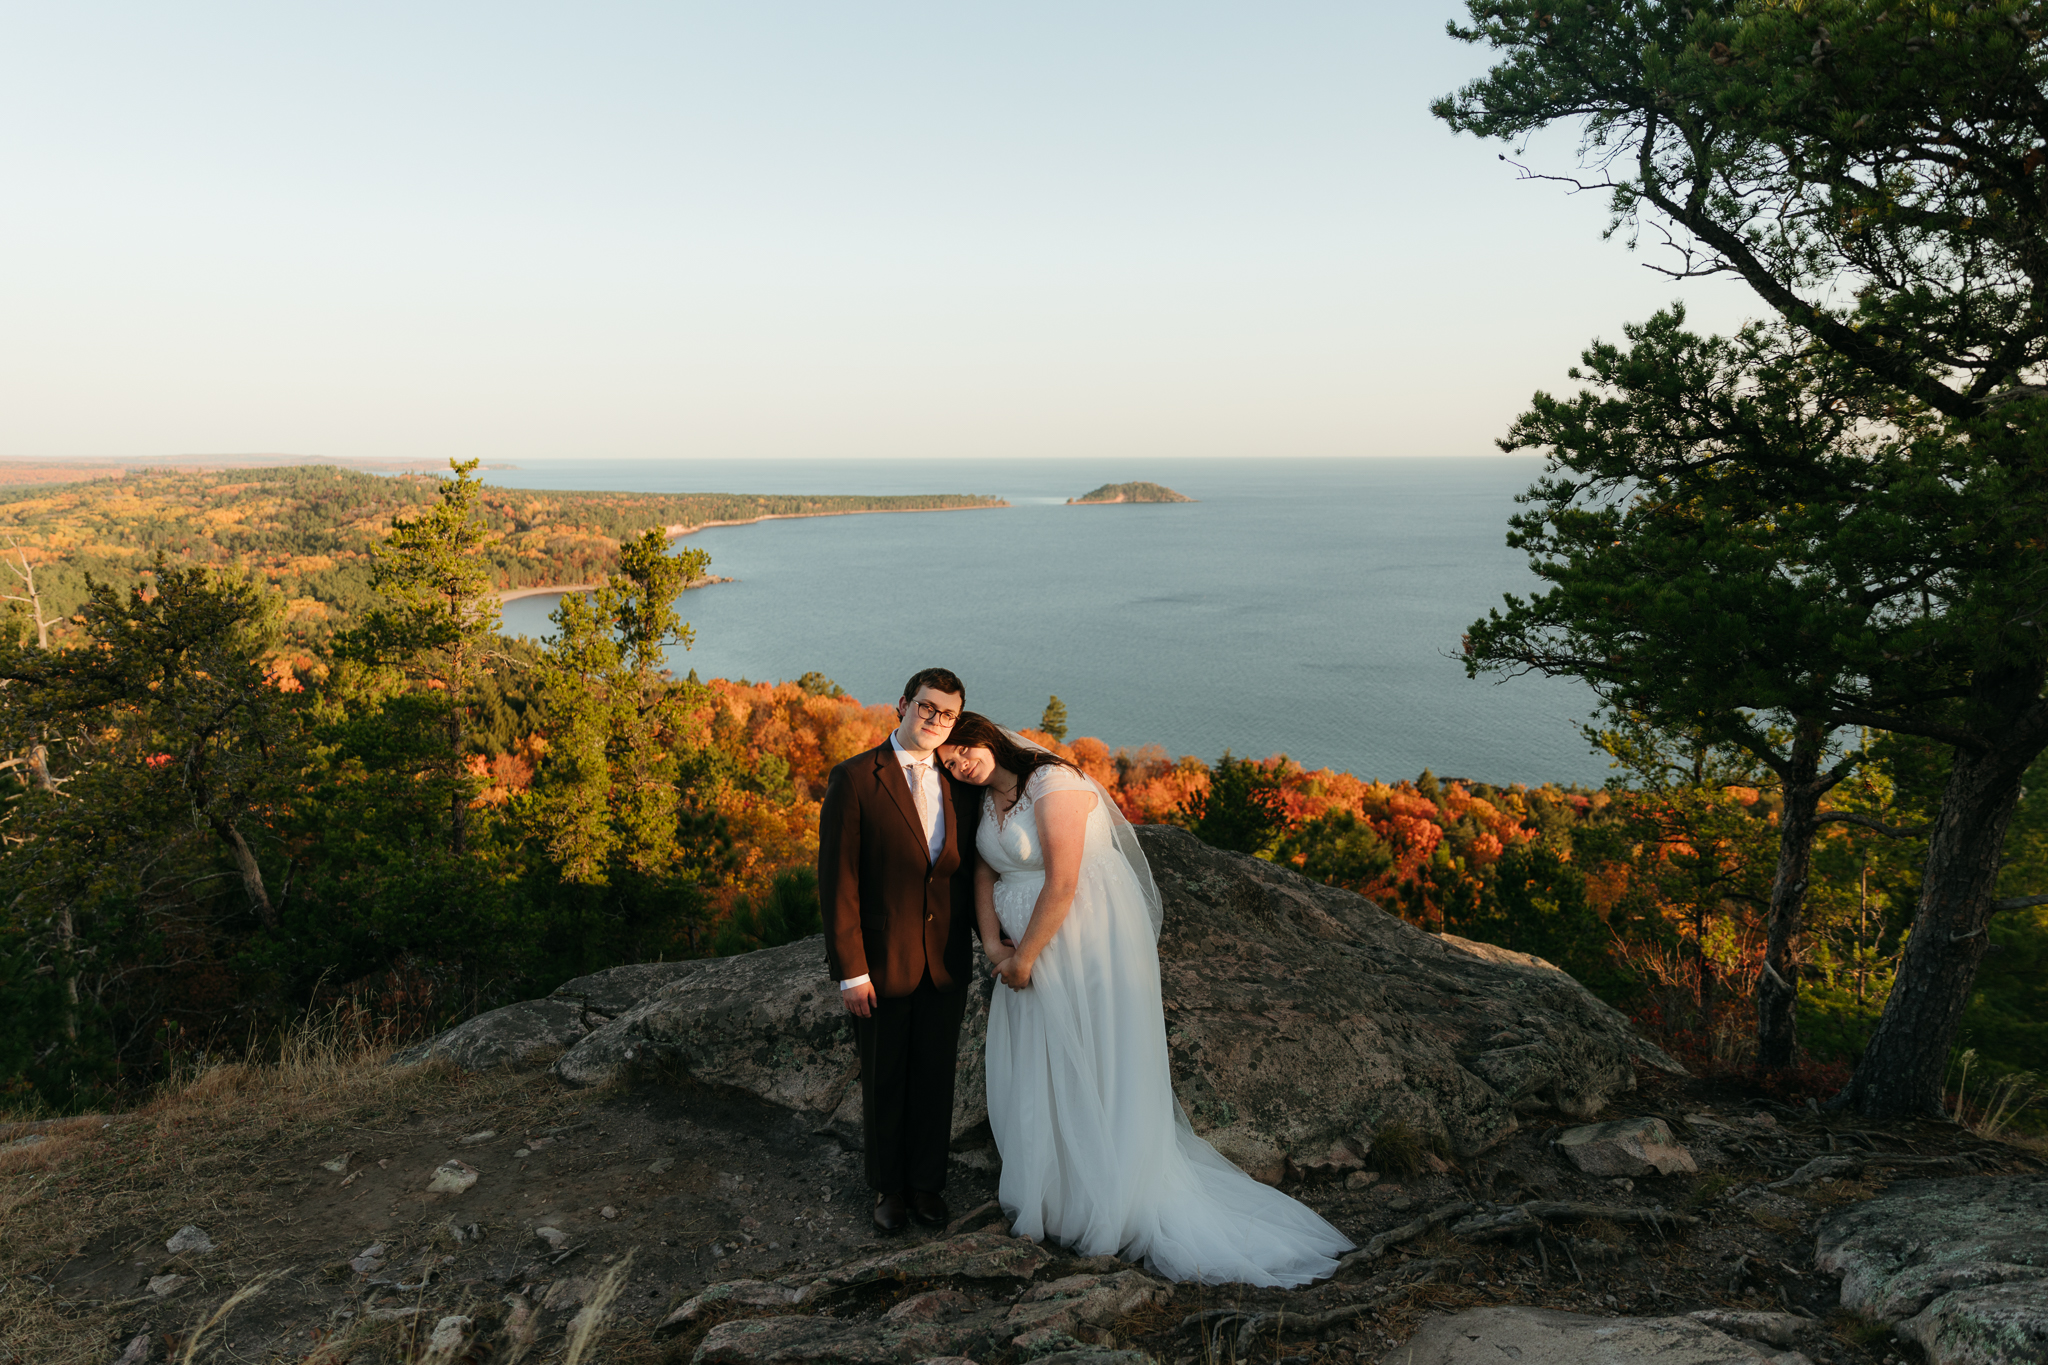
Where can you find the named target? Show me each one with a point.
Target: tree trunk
(1901, 1071)
(1777, 994)
(39, 767)
(251, 870)
(67, 934)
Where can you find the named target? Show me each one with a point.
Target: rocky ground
(437, 1216)
(677, 1184)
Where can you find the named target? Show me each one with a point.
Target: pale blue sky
(772, 229)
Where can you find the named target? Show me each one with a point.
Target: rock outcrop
(1960, 1266)
(1302, 1019)
(1543, 1336)
(979, 1308)
(535, 1032)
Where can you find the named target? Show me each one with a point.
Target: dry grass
(191, 1154)
(58, 1140)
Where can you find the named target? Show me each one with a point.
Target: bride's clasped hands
(1097, 1154)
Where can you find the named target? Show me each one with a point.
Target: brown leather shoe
(892, 1212)
(929, 1209)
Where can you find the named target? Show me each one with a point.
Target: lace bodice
(1009, 841)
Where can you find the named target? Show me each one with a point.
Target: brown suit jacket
(890, 912)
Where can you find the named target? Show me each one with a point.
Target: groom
(896, 884)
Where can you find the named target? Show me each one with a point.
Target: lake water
(1306, 607)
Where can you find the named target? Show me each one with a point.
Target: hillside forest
(311, 532)
(221, 814)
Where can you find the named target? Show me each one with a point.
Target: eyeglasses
(930, 712)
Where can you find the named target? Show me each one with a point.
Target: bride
(1097, 1153)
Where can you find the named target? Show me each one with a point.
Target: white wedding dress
(1097, 1154)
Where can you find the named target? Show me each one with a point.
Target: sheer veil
(1120, 825)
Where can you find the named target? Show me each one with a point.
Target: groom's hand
(859, 1000)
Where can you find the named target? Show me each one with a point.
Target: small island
(1129, 492)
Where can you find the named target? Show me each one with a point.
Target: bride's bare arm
(1062, 834)
(985, 914)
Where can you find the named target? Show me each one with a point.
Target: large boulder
(1959, 1266)
(1301, 1020)
(535, 1032)
(1310, 1016)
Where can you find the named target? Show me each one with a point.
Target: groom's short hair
(938, 680)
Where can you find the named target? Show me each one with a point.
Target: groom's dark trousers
(906, 920)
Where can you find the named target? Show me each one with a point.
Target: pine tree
(438, 617)
(1054, 721)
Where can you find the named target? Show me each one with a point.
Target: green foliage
(1338, 849)
(1796, 145)
(607, 793)
(789, 912)
(1535, 902)
(1241, 811)
(814, 682)
(1809, 150)
(147, 766)
(1054, 721)
(435, 616)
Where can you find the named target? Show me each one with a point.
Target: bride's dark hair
(976, 731)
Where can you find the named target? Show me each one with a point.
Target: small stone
(338, 1165)
(1625, 1147)
(161, 1285)
(554, 1237)
(475, 1139)
(452, 1177)
(607, 1213)
(137, 1351)
(1400, 1203)
(189, 1240)
(660, 1164)
(449, 1334)
(522, 1154)
(369, 1260)
(1361, 1180)
(1624, 1184)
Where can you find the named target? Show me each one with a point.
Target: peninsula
(1129, 492)
(312, 530)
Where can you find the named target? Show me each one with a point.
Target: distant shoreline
(678, 531)
(564, 589)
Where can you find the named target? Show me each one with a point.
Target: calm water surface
(1306, 607)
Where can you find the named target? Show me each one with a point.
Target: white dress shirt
(916, 771)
